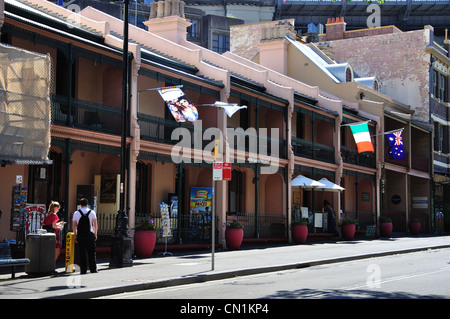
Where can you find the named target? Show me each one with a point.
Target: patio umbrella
(305, 182)
(329, 186)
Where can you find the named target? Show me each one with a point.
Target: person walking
(84, 225)
(53, 225)
(331, 218)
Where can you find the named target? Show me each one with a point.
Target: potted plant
(414, 227)
(299, 230)
(145, 238)
(385, 226)
(348, 227)
(234, 234)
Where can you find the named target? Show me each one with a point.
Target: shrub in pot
(414, 227)
(234, 234)
(385, 226)
(348, 228)
(299, 230)
(145, 238)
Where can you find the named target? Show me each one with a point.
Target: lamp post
(121, 240)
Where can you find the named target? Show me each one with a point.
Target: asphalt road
(406, 276)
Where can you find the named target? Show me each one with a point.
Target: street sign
(222, 171)
(226, 171)
(217, 171)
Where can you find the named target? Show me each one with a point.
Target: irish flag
(362, 137)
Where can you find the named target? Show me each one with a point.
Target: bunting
(179, 105)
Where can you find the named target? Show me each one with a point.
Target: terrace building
(413, 69)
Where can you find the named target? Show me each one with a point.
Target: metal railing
(86, 115)
(262, 226)
(352, 156)
(197, 228)
(312, 150)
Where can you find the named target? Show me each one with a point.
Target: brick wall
(397, 59)
(244, 39)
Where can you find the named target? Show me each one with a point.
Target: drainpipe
(67, 179)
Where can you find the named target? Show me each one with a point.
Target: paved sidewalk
(184, 268)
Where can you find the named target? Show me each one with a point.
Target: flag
(230, 108)
(179, 105)
(362, 137)
(396, 150)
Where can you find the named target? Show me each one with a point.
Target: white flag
(230, 108)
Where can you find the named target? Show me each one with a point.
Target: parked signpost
(221, 172)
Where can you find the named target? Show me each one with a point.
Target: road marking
(397, 278)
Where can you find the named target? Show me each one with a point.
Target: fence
(197, 228)
(263, 226)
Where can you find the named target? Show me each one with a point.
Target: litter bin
(40, 250)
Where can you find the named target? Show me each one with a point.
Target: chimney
(273, 46)
(335, 29)
(167, 20)
(447, 43)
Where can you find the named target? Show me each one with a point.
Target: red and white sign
(226, 171)
(222, 171)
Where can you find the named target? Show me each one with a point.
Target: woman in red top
(51, 220)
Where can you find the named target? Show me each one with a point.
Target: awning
(305, 182)
(329, 186)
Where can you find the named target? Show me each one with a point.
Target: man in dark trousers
(331, 218)
(84, 225)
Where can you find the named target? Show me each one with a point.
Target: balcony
(160, 130)
(312, 150)
(420, 163)
(352, 156)
(86, 115)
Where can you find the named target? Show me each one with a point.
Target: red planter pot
(386, 229)
(348, 231)
(144, 243)
(234, 237)
(414, 228)
(300, 233)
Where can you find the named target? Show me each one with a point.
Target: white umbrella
(329, 186)
(305, 182)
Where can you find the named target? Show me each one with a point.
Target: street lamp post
(121, 240)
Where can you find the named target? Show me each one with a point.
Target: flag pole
(393, 131)
(355, 123)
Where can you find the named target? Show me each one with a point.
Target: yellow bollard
(70, 252)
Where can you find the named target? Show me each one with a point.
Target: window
(376, 86)
(435, 84)
(441, 87)
(220, 43)
(194, 30)
(438, 137)
(236, 193)
(348, 75)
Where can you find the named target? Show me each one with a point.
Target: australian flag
(396, 150)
